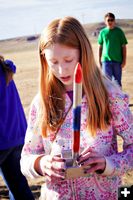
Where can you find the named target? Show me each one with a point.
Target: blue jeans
(112, 70)
(11, 173)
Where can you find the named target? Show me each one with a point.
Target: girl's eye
(68, 61)
(54, 62)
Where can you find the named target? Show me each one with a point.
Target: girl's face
(62, 61)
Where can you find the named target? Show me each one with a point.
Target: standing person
(112, 49)
(104, 115)
(12, 132)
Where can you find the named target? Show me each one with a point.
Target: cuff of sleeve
(109, 169)
(33, 172)
(27, 167)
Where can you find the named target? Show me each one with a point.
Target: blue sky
(27, 17)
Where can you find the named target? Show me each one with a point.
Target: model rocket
(77, 98)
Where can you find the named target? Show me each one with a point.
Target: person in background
(104, 115)
(112, 49)
(12, 133)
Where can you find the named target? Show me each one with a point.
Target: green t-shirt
(112, 41)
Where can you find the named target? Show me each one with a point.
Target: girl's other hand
(53, 168)
(92, 161)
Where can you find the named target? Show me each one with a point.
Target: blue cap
(10, 65)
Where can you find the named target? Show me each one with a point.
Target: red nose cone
(78, 73)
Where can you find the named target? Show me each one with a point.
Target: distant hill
(92, 29)
(125, 24)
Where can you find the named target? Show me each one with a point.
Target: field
(24, 52)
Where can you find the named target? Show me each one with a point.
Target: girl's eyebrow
(65, 57)
(52, 59)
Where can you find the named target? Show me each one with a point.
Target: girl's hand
(92, 161)
(53, 168)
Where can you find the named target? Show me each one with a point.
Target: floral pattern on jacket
(95, 186)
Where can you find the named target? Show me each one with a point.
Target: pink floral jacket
(95, 186)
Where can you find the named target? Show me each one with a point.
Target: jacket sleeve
(33, 146)
(122, 120)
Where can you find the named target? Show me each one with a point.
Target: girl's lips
(66, 78)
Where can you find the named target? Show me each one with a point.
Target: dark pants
(15, 180)
(112, 70)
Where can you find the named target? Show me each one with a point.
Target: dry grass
(25, 55)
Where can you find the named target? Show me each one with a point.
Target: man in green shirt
(112, 49)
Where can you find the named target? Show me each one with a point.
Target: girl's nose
(62, 69)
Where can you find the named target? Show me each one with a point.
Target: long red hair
(68, 31)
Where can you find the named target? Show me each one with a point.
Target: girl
(104, 115)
